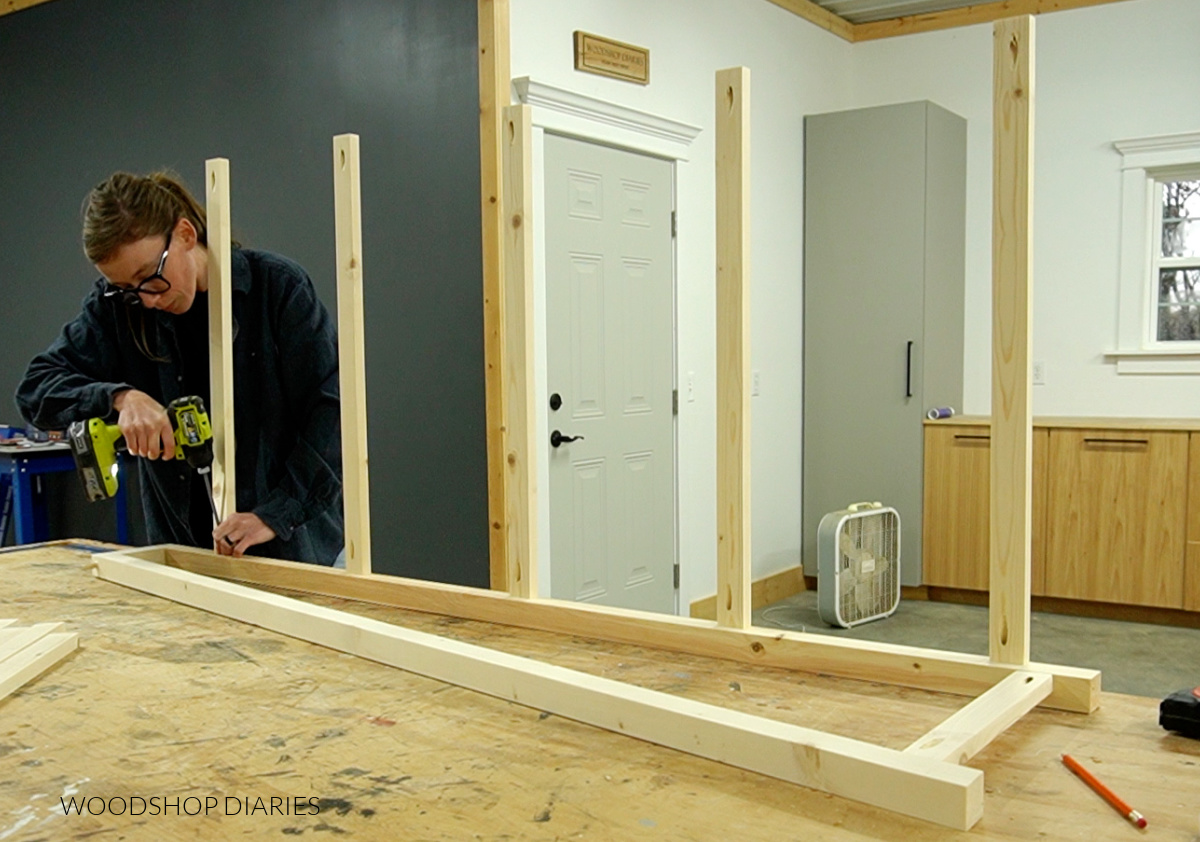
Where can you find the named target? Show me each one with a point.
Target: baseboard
(1081, 608)
(763, 591)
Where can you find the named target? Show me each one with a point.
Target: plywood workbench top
(167, 701)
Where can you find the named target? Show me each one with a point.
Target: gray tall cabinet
(884, 230)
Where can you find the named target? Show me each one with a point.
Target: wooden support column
(220, 334)
(494, 95)
(520, 448)
(1012, 414)
(733, 347)
(352, 378)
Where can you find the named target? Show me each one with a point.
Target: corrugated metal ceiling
(865, 11)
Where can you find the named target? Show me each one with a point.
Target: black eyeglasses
(154, 284)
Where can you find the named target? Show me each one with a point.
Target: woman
(141, 341)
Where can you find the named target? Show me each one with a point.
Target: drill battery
(1180, 712)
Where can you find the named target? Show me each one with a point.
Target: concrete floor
(1135, 658)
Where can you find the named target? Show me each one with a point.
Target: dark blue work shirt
(286, 408)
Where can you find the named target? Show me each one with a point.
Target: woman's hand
(239, 532)
(145, 425)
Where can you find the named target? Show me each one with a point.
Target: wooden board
(951, 672)
(520, 443)
(966, 16)
(494, 96)
(1011, 520)
(733, 347)
(166, 699)
(352, 358)
(822, 17)
(220, 335)
(968, 731)
(33, 659)
(906, 783)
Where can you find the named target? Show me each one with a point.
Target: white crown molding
(560, 110)
(1159, 151)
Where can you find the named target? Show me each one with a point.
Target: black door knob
(555, 400)
(557, 438)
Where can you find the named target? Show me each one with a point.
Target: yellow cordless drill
(95, 446)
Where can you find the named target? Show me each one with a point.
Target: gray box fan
(858, 564)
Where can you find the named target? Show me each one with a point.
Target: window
(1159, 311)
(1176, 264)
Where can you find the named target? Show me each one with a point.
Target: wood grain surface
(171, 702)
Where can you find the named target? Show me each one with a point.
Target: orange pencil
(1104, 792)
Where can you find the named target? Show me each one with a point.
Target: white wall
(796, 69)
(1101, 77)
(1103, 73)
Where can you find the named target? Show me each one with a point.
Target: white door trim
(566, 112)
(560, 111)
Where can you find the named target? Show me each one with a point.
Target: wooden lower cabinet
(1116, 511)
(1191, 577)
(955, 539)
(1117, 505)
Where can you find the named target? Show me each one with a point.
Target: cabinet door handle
(1142, 442)
(908, 370)
(972, 436)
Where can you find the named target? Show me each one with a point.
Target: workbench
(22, 497)
(169, 702)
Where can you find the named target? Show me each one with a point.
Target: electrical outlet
(755, 384)
(1039, 374)
(691, 386)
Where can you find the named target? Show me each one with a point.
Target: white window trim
(1143, 161)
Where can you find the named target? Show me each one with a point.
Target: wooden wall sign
(606, 57)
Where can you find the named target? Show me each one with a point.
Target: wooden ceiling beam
(966, 16)
(8, 6)
(822, 17)
(855, 32)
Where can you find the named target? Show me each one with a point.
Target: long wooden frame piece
(907, 783)
(1074, 689)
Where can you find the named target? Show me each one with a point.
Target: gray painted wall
(89, 88)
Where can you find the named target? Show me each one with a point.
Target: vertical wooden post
(733, 347)
(520, 448)
(1012, 417)
(220, 334)
(494, 84)
(356, 486)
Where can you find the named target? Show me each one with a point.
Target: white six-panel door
(609, 348)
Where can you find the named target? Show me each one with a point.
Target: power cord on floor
(768, 614)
